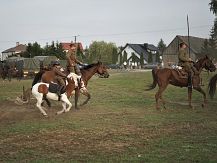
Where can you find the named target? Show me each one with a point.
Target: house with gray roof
(135, 54)
(170, 55)
(14, 51)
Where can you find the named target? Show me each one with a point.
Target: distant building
(170, 55)
(133, 54)
(18, 50)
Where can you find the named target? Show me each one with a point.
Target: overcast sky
(118, 21)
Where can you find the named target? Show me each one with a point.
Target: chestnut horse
(166, 76)
(40, 90)
(212, 86)
(87, 72)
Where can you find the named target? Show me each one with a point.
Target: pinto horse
(166, 76)
(40, 90)
(87, 72)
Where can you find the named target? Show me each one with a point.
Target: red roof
(66, 46)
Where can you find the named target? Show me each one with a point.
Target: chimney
(17, 43)
(146, 45)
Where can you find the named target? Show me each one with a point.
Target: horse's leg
(47, 101)
(64, 108)
(159, 95)
(76, 97)
(163, 101)
(190, 97)
(38, 104)
(199, 89)
(86, 93)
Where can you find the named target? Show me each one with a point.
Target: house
(18, 50)
(66, 46)
(170, 55)
(138, 54)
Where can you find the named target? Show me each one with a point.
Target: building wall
(4, 56)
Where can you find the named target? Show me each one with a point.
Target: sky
(117, 21)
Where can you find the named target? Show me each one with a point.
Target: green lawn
(120, 124)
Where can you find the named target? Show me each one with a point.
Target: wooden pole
(189, 46)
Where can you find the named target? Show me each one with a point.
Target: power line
(109, 34)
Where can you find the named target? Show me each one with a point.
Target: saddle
(181, 72)
(54, 87)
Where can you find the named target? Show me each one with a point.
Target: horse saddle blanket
(182, 73)
(54, 87)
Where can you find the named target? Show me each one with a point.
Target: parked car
(114, 66)
(150, 66)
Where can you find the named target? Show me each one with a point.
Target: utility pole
(189, 49)
(76, 37)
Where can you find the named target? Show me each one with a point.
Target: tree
(125, 56)
(55, 49)
(161, 47)
(142, 60)
(100, 50)
(150, 57)
(114, 55)
(212, 43)
(213, 6)
(33, 50)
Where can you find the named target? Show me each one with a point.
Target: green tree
(100, 50)
(125, 56)
(114, 55)
(213, 33)
(205, 48)
(213, 6)
(142, 60)
(55, 49)
(33, 50)
(161, 47)
(150, 57)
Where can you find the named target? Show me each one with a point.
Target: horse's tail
(153, 85)
(37, 77)
(212, 86)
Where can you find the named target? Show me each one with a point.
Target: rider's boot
(59, 90)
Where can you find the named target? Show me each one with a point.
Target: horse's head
(102, 70)
(208, 64)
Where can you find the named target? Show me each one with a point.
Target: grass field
(120, 124)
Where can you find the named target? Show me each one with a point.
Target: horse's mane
(199, 62)
(89, 66)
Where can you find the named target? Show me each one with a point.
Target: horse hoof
(45, 115)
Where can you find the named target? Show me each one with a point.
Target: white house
(133, 54)
(14, 51)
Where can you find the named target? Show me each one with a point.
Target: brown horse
(87, 72)
(166, 76)
(212, 86)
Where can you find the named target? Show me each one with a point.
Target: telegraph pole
(76, 37)
(189, 49)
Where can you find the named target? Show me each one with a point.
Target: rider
(187, 63)
(59, 77)
(72, 63)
